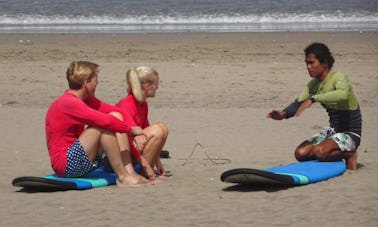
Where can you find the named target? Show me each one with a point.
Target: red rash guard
(65, 121)
(138, 112)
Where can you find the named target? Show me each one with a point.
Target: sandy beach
(215, 89)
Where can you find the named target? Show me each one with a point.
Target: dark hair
(321, 52)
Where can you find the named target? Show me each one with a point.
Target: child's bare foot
(142, 179)
(351, 160)
(163, 177)
(131, 181)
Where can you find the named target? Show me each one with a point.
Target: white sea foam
(315, 21)
(315, 17)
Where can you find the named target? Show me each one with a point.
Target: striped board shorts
(343, 140)
(78, 163)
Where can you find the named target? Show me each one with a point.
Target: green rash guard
(336, 95)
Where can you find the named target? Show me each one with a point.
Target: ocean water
(123, 16)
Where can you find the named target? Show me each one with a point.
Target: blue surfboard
(95, 179)
(300, 173)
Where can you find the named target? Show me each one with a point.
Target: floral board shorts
(78, 163)
(343, 140)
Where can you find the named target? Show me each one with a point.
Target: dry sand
(216, 90)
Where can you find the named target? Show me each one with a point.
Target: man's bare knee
(321, 153)
(300, 151)
(300, 154)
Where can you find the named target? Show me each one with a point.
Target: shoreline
(193, 27)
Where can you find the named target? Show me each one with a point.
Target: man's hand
(276, 115)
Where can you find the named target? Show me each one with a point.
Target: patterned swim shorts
(78, 163)
(343, 140)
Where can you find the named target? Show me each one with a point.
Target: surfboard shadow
(40, 190)
(260, 187)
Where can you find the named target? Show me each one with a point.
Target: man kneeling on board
(334, 92)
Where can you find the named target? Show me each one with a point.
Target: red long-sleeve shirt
(138, 112)
(65, 121)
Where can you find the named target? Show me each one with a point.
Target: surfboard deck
(97, 178)
(299, 173)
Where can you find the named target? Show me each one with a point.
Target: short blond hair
(80, 71)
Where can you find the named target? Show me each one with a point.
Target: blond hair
(80, 71)
(136, 77)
